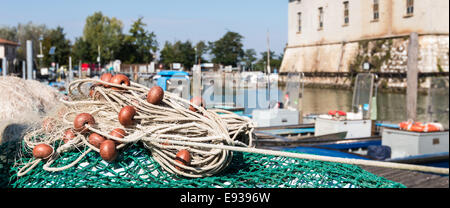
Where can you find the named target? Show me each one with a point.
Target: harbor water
(391, 107)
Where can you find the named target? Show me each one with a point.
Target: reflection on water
(391, 107)
(323, 100)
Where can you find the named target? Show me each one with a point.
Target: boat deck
(411, 179)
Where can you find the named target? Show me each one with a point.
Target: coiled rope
(171, 120)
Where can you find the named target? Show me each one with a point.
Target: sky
(170, 20)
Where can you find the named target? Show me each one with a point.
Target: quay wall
(387, 55)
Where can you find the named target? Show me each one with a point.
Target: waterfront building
(8, 51)
(337, 36)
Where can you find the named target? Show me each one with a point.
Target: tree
(249, 58)
(179, 52)
(140, 46)
(227, 50)
(144, 42)
(8, 33)
(21, 33)
(56, 38)
(275, 61)
(81, 51)
(167, 54)
(201, 49)
(104, 33)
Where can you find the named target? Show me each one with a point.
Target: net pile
(22, 103)
(136, 168)
(148, 149)
(20, 99)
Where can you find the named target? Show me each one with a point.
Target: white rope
(313, 157)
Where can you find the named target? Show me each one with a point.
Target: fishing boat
(388, 142)
(177, 82)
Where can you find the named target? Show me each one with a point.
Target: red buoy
(81, 120)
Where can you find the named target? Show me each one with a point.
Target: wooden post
(70, 69)
(24, 70)
(79, 69)
(136, 70)
(412, 77)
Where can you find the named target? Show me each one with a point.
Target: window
(346, 13)
(409, 7)
(320, 18)
(376, 10)
(299, 22)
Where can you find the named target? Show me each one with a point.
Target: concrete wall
(429, 17)
(2, 51)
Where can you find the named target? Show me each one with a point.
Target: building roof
(7, 42)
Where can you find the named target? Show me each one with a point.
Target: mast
(268, 62)
(268, 52)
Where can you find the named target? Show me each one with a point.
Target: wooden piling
(412, 77)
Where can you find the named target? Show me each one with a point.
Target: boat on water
(255, 79)
(373, 140)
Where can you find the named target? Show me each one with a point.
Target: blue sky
(171, 20)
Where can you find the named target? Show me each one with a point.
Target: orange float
(106, 77)
(119, 79)
(420, 127)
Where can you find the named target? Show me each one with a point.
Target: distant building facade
(8, 51)
(338, 35)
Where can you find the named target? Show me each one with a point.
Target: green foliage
(140, 46)
(201, 49)
(249, 58)
(377, 55)
(56, 38)
(104, 33)
(179, 52)
(227, 50)
(81, 51)
(275, 61)
(439, 67)
(8, 33)
(23, 32)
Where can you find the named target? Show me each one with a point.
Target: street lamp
(41, 37)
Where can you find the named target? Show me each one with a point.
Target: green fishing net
(136, 168)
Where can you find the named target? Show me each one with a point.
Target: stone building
(339, 35)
